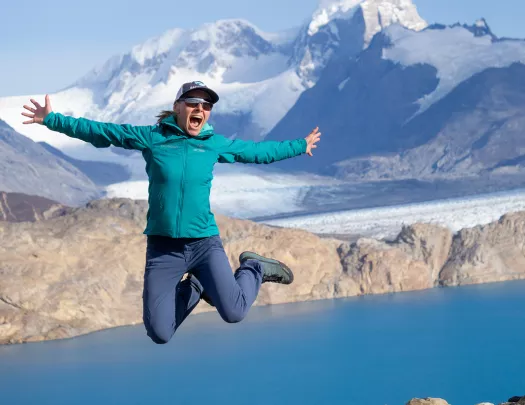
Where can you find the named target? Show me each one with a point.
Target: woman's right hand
(37, 113)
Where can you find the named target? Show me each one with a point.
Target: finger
(37, 105)
(28, 122)
(28, 115)
(48, 102)
(29, 108)
(315, 130)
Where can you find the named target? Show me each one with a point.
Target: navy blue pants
(167, 300)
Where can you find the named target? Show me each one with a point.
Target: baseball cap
(196, 85)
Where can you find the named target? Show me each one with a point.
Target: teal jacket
(179, 166)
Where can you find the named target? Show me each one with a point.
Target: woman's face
(192, 115)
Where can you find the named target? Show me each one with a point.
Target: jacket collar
(170, 124)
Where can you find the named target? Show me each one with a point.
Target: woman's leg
(232, 294)
(167, 300)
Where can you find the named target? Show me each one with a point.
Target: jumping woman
(180, 151)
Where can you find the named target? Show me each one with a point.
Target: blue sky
(46, 46)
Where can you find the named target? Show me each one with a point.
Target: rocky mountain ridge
(64, 276)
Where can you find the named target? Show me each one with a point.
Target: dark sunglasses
(193, 102)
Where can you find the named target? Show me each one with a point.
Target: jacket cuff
(304, 145)
(48, 119)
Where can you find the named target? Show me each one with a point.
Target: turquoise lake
(466, 345)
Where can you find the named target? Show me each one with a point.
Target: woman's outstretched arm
(99, 134)
(267, 151)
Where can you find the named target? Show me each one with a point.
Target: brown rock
(487, 253)
(314, 261)
(427, 401)
(82, 270)
(411, 262)
(19, 207)
(427, 243)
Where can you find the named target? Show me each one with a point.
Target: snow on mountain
(244, 193)
(232, 56)
(261, 76)
(387, 222)
(378, 14)
(457, 52)
(344, 28)
(258, 75)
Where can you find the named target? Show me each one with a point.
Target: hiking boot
(273, 270)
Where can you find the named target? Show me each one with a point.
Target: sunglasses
(193, 102)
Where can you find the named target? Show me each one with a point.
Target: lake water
(466, 345)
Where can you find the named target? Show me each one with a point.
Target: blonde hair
(165, 114)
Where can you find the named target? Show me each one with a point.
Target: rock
(514, 401)
(315, 261)
(412, 262)
(374, 267)
(428, 243)
(81, 270)
(487, 253)
(427, 401)
(19, 207)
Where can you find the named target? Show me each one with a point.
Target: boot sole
(254, 256)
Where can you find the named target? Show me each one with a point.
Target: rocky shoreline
(438, 401)
(81, 269)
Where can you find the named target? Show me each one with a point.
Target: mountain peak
(378, 14)
(481, 28)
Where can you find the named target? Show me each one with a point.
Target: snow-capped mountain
(232, 56)
(372, 74)
(258, 75)
(410, 91)
(346, 28)
(377, 15)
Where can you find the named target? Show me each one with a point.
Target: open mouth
(195, 121)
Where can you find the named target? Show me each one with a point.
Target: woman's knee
(230, 316)
(159, 334)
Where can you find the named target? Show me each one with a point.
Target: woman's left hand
(311, 140)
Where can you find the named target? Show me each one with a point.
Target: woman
(182, 236)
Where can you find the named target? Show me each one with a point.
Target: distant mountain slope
(443, 102)
(26, 167)
(479, 128)
(100, 173)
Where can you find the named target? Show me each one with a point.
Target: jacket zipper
(184, 153)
